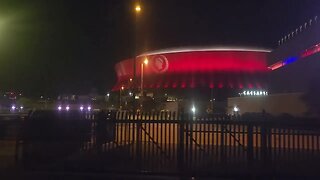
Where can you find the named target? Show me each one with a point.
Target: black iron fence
(170, 143)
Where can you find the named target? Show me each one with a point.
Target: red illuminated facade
(237, 68)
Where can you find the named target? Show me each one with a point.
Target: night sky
(70, 46)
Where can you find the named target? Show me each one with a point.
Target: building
(219, 79)
(293, 79)
(193, 75)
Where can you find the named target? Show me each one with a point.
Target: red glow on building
(195, 69)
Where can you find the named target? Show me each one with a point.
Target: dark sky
(71, 46)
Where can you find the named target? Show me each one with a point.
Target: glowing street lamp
(137, 8)
(121, 89)
(235, 109)
(144, 63)
(193, 110)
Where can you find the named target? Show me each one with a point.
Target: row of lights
(13, 107)
(254, 93)
(81, 108)
(298, 30)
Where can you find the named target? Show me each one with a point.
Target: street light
(145, 62)
(193, 110)
(138, 8)
(121, 89)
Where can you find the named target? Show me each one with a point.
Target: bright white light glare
(130, 94)
(193, 109)
(21, 107)
(59, 108)
(81, 108)
(13, 107)
(67, 108)
(244, 92)
(108, 94)
(235, 109)
(89, 108)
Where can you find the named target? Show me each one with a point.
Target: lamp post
(137, 10)
(145, 62)
(121, 89)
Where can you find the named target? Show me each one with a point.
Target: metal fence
(171, 143)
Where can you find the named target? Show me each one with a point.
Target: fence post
(182, 124)
(250, 144)
(222, 148)
(138, 142)
(265, 145)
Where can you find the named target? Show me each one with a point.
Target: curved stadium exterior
(194, 68)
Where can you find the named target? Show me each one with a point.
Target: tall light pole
(145, 62)
(137, 10)
(121, 89)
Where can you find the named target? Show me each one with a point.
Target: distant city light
(67, 108)
(59, 108)
(81, 108)
(21, 107)
(108, 94)
(130, 93)
(89, 108)
(13, 107)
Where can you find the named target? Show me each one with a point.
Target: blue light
(290, 60)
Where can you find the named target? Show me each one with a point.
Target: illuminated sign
(160, 63)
